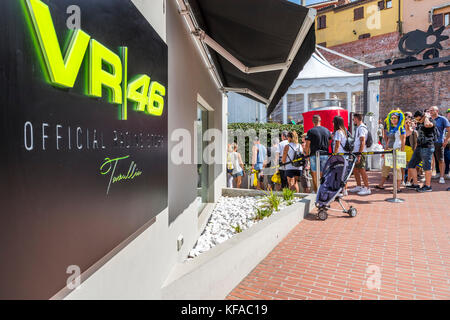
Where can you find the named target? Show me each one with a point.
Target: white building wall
(139, 269)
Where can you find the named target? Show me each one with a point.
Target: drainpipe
(400, 26)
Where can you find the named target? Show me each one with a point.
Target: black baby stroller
(335, 175)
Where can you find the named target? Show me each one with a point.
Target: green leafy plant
(237, 228)
(273, 201)
(288, 194)
(262, 213)
(290, 202)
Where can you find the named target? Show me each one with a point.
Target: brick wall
(408, 93)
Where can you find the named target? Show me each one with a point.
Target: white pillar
(285, 109)
(306, 97)
(349, 103)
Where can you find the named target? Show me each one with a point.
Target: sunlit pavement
(388, 251)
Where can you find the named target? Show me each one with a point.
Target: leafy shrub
(288, 194)
(237, 229)
(262, 213)
(273, 201)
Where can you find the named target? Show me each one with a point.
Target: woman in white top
(237, 165)
(339, 135)
(340, 140)
(293, 173)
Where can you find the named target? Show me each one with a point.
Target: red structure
(327, 115)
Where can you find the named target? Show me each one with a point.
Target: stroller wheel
(352, 212)
(323, 215)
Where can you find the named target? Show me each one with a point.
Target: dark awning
(256, 47)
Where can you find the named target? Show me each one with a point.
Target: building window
(438, 20)
(202, 166)
(357, 102)
(381, 5)
(447, 19)
(313, 97)
(341, 96)
(321, 22)
(358, 13)
(388, 4)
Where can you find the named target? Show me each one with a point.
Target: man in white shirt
(361, 134)
(284, 142)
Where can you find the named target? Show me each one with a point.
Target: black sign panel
(75, 181)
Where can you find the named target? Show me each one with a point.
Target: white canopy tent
(320, 80)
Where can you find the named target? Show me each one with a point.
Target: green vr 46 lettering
(63, 70)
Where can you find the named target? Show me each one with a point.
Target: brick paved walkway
(408, 243)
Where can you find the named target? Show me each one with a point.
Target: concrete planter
(213, 274)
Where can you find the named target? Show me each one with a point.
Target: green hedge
(258, 130)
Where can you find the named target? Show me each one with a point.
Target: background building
(370, 31)
(243, 109)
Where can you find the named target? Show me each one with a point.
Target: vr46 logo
(63, 71)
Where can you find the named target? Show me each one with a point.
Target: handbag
(276, 178)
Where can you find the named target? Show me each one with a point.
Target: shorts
(424, 155)
(362, 163)
(293, 173)
(439, 152)
(239, 174)
(323, 160)
(386, 169)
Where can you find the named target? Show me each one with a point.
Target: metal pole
(365, 91)
(394, 163)
(318, 170)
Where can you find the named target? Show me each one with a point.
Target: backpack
(369, 140)
(350, 144)
(436, 133)
(296, 162)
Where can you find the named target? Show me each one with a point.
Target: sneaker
(355, 189)
(436, 176)
(425, 189)
(413, 186)
(422, 180)
(442, 180)
(365, 192)
(447, 176)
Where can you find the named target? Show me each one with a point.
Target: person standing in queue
(443, 126)
(361, 136)
(290, 150)
(340, 136)
(317, 139)
(284, 142)
(259, 161)
(424, 151)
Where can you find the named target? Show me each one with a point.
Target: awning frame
(204, 42)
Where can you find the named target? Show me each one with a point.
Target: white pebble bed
(228, 213)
